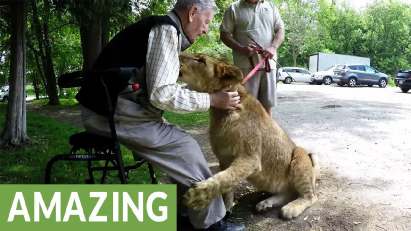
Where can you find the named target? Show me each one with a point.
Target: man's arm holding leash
(277, 41)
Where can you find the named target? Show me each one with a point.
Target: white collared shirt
(162, 70)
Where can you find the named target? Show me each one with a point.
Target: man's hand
(248, 50)
(271, 53)
(225, 100)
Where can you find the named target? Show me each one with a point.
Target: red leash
(260, 50)
(254, 70)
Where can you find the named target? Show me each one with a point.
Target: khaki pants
(263, 87)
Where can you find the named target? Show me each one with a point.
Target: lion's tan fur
(248, 144)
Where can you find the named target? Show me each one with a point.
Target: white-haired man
(153, 45)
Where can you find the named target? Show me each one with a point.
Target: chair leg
(49, 166)
(121, 169)
(103, 178)
(152, 174)
(90, 173)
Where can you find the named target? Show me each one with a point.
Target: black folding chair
(91, 147)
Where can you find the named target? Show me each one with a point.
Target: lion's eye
(200, 60)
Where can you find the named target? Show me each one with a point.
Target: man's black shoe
(226, 226)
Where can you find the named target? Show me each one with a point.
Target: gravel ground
(362, 138)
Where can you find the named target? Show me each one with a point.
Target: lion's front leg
(201, 194)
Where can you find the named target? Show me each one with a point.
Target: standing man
(152, 45)
(258, 20)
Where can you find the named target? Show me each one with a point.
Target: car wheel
(327, 80)
(5, 98)
(382, 83)
(287, 80)
(352, 82)
(404, 89)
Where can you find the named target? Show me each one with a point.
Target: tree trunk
(104, 32)
(91, 41)
(294, 54)
(39, 78)
(15, 132)
(45, 52)
(50, 75)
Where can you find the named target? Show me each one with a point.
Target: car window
(357, 67)
(369, 69)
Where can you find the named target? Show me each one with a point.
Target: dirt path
(362, 137)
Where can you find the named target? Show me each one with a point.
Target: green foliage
(211, 44)
(388, 33)
(381, 32)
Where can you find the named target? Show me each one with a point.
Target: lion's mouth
(180, 75)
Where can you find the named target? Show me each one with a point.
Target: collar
(185, 42)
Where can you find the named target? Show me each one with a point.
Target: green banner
(88, 207)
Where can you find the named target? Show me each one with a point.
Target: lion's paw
(263, 205)
(291, 211)
(200, 195)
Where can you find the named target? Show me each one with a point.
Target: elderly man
(246, 22)
(153, 46)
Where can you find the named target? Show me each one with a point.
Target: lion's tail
(315, 163)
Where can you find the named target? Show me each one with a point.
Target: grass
(187, 120)
(26, 164)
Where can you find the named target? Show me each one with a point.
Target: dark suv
(354, 75)
(403, 80)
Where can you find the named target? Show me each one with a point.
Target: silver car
(324, 77)
(293, 74)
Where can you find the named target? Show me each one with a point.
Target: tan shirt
(258, 21)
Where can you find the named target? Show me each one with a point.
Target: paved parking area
(362, 136)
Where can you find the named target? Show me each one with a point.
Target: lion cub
(249, 145)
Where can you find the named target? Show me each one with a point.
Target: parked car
(293, 74)
(323, 77)
(403, 80)
(354, 75)
(4, 93)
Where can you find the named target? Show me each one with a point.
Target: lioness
(249, 145)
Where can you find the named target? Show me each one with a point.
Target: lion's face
(206, 74)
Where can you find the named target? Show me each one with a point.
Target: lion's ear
(225, 71)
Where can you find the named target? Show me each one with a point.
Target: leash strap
(255, 69)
